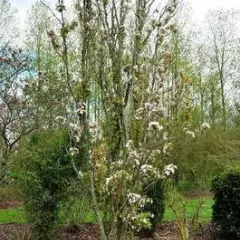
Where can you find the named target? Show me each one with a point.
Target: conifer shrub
(157, 207)
(46, 173)
(226, 209)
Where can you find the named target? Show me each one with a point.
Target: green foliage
(157, 207)
(226, 209)
(201, 158)
(46, 174)
(10, 192)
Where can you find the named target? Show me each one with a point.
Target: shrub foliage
(157, 207)
(226, 209)
(46, 174)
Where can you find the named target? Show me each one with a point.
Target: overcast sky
(199, 6)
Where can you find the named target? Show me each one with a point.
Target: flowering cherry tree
(124, 145)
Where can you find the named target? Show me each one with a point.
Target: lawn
(12, 215)
(17, 215)
(191, 205)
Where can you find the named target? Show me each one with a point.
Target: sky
(200, 7)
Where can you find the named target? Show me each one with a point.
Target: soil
(194, 194)
(166, 231)
(208, 232)
(6, 205)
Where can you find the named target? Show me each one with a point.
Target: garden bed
(9, 204)
(13, 225)
(165, 231)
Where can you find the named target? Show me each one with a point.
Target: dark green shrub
(46, 174)
(157, 207)
(226, 209)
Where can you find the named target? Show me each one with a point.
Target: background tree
(8, 29)
(14, 110)
(16, 119)
(222, 27)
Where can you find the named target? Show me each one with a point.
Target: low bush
(46, 174)
(202, 158)
(10, 192)
(226, 208)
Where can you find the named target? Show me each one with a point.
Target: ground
(165, 231)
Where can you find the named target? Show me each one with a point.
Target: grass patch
(17, 215)
(205, 213)
(12, 215)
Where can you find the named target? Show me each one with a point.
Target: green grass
(17, 215)
(191, 205)
(12, 215)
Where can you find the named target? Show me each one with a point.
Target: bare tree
(8, 29)
(222, 27)
(16, 119)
